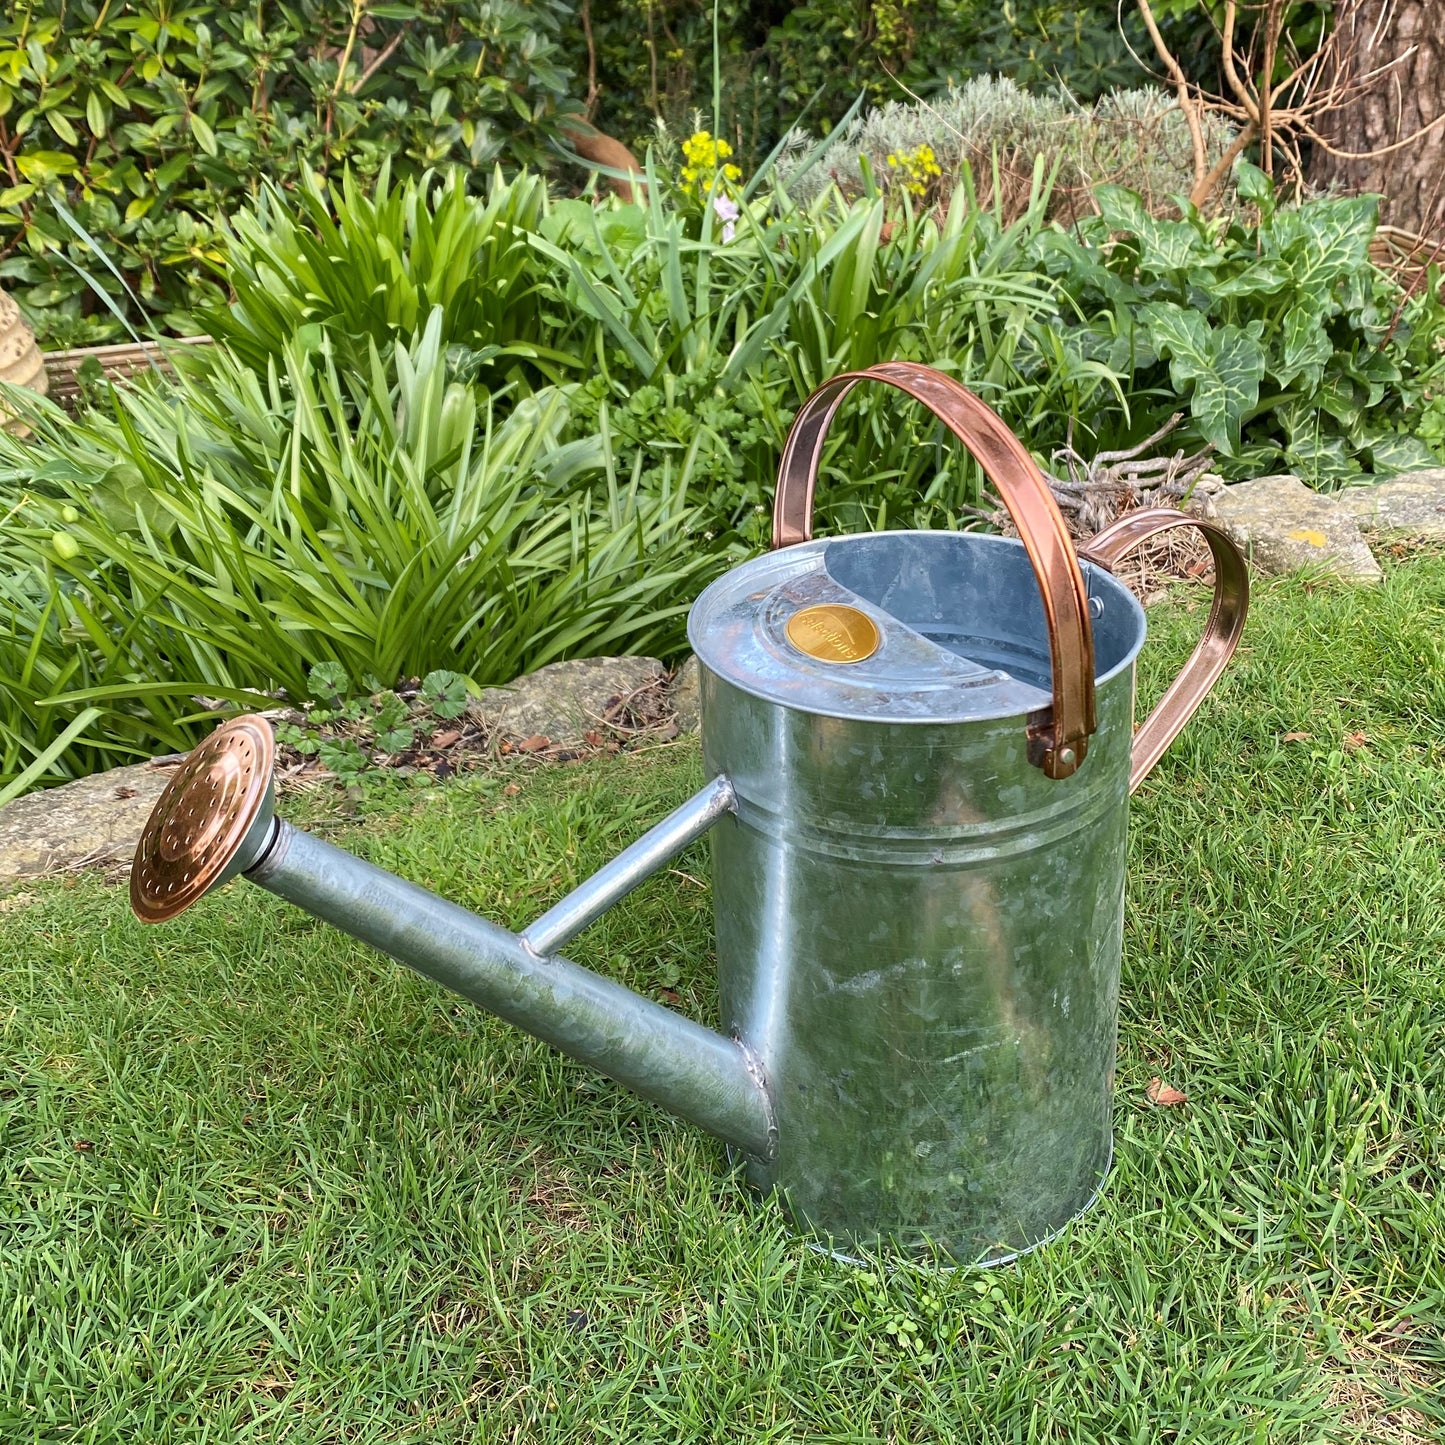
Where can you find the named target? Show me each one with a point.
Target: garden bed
(264, 1184)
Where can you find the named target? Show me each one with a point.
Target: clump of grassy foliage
(479, 432)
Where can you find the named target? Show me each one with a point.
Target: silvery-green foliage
(1137, 137)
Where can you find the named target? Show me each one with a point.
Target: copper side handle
(1059, 740)
(1221, 631)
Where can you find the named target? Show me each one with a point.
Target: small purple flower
(727, 213)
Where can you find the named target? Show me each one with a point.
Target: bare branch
(1131, 452)
(381, 57)
(1186, 101)
(591, 104)
(1251, 109)
(1320, 141)
(1221, 168)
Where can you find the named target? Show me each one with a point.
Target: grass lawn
(257, 1183)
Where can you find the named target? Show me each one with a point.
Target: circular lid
(203, 818)
(903, 626)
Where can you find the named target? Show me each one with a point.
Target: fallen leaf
(1295, 738)
(534, 744)
(1355, 740)
(511, 790)
(446, 739)
(593, 738)
(1162, 1095)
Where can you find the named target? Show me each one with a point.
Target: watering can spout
(214, 822)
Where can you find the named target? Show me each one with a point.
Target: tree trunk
(1409, 95)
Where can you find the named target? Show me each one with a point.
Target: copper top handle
(1057, 742)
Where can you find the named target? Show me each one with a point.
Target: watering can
(920, 749)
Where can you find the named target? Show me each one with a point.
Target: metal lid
(197, 835)
(903, 626)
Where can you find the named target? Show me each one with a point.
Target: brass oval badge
(832, 632)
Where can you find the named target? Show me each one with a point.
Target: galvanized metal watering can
(920, 748)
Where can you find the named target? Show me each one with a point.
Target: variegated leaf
(1394, 453)
(1324, 241)
(1224, 367)
(1306, 349)
(1163, 245)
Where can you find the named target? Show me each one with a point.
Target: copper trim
(1059, 742)
(202, 818)
(1222, 628)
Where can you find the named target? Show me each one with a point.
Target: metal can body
(919, 936)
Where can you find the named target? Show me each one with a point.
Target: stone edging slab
(1283, 525)
(97, 821)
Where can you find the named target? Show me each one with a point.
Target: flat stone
(95, 820)
(563, 701)
(1283, 525)
(1413, 502)
(684, 693)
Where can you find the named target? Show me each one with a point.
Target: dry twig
(1282, 116)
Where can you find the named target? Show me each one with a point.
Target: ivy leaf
(1307, 350)
(1261, 276)
(1337, 396)
(1163, 245)
(1223, 365)
(1397, 452)
(1323, 242)
(1318, 456)
(1251, 184)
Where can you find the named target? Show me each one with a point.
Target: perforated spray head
(211, 822)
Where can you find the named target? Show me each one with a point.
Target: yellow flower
(705, 157)
(917, 168)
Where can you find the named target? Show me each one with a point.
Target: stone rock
(684, 692)
(95, 820)
(563, 701)
(1413, 503)
(1283, 525)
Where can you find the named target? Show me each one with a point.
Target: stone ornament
(21, 363)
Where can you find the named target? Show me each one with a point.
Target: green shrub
(696, 350)
(372, 268)
(149, 122)
(232, 531)
(1291, 349)
(654, 58)
(1000, 132)
(588, 425)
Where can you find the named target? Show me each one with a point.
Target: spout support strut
(687, 1069)
(630, 867)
